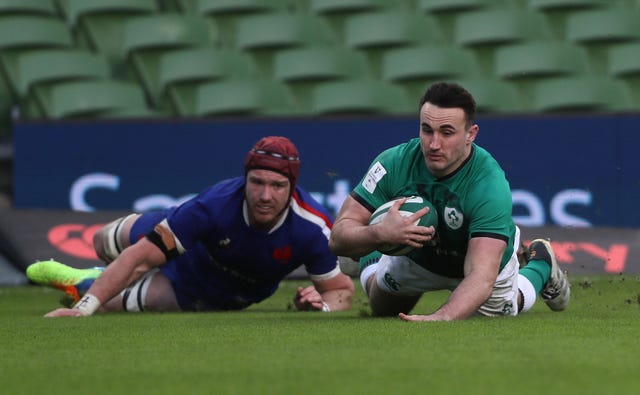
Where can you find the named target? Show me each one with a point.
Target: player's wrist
(87, 305)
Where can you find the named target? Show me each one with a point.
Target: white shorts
(400, 275)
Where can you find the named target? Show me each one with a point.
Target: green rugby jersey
(473, 201)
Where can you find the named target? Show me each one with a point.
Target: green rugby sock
(537, 272)
(369, 259)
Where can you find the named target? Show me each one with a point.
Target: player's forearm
(126, 269)
(339, 299)
(352, 239)
(466, 299)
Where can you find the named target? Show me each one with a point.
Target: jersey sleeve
(315, 227)
(321, 264)
(375, 188)
(491, 212)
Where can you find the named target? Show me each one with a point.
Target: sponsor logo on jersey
(375, 174)
(453, 218)
(225, 243)
(282, 255)
(391, 282)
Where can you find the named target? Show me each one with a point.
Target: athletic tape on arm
(165, 240)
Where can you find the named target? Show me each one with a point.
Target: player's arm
(130, 265)
(481, 268)
(353, 237)
(331, 294)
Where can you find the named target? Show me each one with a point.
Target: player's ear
(472, 132)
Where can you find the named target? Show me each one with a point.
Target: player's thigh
(383, 303)
(152, 292)
(160, 295)
(400, 282)
(111, 239)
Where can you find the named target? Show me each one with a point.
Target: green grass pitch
(592, 348)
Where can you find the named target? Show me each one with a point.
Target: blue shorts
(196, 285)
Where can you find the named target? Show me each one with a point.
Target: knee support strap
(134, 297)
(111, 238)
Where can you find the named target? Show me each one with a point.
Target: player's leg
(395, 284)
(542, 275)
(111, 239)
(108, 241)
(152, 292)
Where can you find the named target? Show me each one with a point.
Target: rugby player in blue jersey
(225, 249)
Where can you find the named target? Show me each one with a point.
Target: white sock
(366, 273)
(528, 292)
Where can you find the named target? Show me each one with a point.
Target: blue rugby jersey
(225, 258)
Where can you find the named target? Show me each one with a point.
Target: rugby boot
(557, 291)
(73, 282)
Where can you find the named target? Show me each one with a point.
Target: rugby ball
(410, 206)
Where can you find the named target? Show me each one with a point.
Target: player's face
(445, 138)
(267, 194)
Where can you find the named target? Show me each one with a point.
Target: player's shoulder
(309, 209)
(402, 150)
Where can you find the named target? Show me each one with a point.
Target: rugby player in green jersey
(472, 251)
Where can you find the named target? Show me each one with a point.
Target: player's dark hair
(450, 95)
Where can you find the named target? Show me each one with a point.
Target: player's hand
(308, 299)
(418, 318)
(401, 230)
(62, 312)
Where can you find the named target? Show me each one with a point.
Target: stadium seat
(606, 25)
(337, 11)
(20, 33)
(180, 71)
(539, 59)
(28, 32)
(235, 7)
(358, 97)
(243, 97)
(484, 31)
(557, 11)
(426, 61)
(581, 94)
(362, 31)
(493, 96)
(327, 7)
(304, 68)
(624, 65)
(85, 99)
(146, 38)
(261, 35)
(566, 5)
(282, 30)
(38, 67)
(28, 7)
(416, 66)
(225, 13)
(624, 59)
(99, 24)
(597, 29)
(445, 12)
(318, 64)
(499, 26)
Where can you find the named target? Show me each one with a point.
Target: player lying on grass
(472, 251)
(225, 249)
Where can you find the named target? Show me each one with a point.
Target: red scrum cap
(275, 153)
